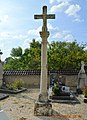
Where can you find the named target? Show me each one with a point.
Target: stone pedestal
(43, 109)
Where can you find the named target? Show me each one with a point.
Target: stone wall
(32, 79)
(28, 80)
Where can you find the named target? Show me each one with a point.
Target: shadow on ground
(55, 116)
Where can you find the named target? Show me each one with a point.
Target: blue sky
(18, 27)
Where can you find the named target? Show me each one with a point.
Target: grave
(82, 82)
(58, 92)
(82, 78)
(13, 88)
(2, 96)
(42, 105)
(5, 90)
(3, 85)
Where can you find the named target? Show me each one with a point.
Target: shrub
(55, 89)
(17, 84)
(85, 92)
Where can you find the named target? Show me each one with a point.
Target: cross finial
(44, 16)
(44, 9)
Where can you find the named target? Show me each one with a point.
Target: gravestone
(82, 78)
(1, 70)
(43, 106)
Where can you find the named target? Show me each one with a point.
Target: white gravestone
(82, 78)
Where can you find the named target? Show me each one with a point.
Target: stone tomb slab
(3, 96)
(62, 97)
(13, 91)
(3, 116)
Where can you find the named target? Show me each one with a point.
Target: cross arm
(38, 16)
(51, 16)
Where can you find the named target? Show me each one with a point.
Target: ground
(21, 107)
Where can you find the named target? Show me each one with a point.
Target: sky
(18, 26)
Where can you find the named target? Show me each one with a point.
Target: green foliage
(16, 52)
(17, 84)
(61, 56)
(85, 92)
(55, 89)
(65, 55)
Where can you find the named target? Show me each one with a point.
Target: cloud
(68, 38)
(67, 7)
(51, 1)
(59, 1)
(19, 36)
(34, 31)
(59, 7)
(63, 35)
(72, 10)
(55, 34)
(4, 35)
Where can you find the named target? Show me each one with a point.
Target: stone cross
(43, 96)
(44, 16)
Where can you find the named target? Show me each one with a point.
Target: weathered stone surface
(43, 97)
(3, 96)
(43, 109)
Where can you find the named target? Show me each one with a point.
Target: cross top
(44, 16)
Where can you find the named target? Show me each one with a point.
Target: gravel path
(21, 106)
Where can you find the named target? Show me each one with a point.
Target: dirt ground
(21, 107)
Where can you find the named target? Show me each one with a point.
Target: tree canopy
(61, 56)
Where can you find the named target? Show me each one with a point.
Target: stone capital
(44, 34)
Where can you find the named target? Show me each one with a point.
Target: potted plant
(55, 89)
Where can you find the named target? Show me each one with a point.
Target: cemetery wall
(32, 78)
(28, 80)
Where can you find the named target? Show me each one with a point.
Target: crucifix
(44, 34)
(44, 16)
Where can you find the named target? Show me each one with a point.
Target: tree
(16, 52)
(61, 56)
(35, 55)
(65, 55)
